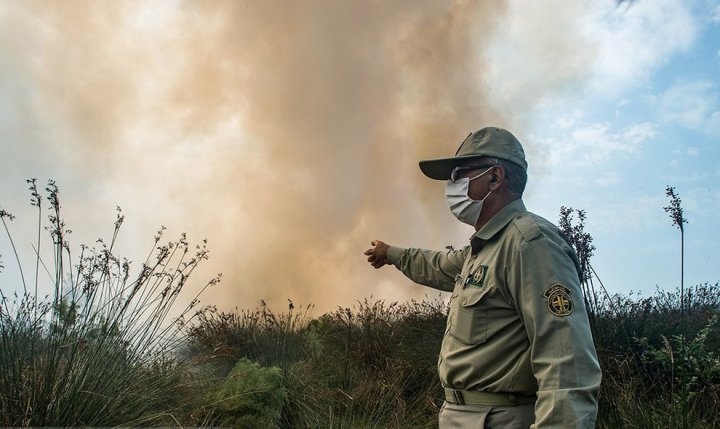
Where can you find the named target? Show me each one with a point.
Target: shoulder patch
(558, 300)
(528, 227)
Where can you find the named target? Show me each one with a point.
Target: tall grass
(100, 350)
(675, 210)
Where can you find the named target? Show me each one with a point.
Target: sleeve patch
(558, 300)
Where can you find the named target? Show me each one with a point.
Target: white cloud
(619, 107)
(632, 43)
(596, 143)
(691, 104)
(539, 51)
(638, 133)
(548, 55)
(564, 122)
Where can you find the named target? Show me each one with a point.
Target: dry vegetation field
(101, 350)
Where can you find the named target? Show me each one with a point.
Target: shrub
(220, 339)
(644, 359)
(100, 351)
(367, 366)
(251, 396)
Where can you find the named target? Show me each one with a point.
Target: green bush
(250, 396)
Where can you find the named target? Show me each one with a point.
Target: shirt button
(464, 302)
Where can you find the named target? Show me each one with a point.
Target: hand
(377, 256)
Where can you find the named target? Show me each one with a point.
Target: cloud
(596, 143)
(691, 104)
(564, 122)
(631, 43)
(541, 52)
(638, 133)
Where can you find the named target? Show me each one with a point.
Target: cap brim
(440, 169)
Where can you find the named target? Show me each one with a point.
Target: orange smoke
(287, 133)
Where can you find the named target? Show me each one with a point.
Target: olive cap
(488, 142)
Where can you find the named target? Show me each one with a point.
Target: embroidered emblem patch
(477, 279)
(559, 302)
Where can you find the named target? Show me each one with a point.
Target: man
(517, 351)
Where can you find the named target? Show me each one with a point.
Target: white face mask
(465, 209)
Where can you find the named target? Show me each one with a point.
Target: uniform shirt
(517, 321)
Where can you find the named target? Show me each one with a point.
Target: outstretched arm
(433, 268)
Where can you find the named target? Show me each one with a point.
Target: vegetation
(369, 366)
(374, 365)
(101, 351)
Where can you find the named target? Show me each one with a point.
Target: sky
(288, 134)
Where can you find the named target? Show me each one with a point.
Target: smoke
(287, 133)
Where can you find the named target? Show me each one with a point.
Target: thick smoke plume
(287, 133)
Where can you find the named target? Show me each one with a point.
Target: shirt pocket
(470, 324)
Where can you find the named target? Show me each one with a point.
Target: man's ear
(497, 177)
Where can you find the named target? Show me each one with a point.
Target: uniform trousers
(454, 416)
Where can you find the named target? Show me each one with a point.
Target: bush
(99, 351)
(220, 339)
(251, 396)
(370, 366)
(643, 359)
(374, 365)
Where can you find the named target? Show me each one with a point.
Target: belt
(475, 397)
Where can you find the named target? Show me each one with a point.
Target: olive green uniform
(517, 322)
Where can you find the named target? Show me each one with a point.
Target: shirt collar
(500, 220)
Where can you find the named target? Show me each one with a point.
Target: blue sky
(633, 132)
(288, 134)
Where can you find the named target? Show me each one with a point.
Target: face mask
(465, 209)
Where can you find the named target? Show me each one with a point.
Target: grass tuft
(100, 350)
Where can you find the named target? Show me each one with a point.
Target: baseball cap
(490, 142)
